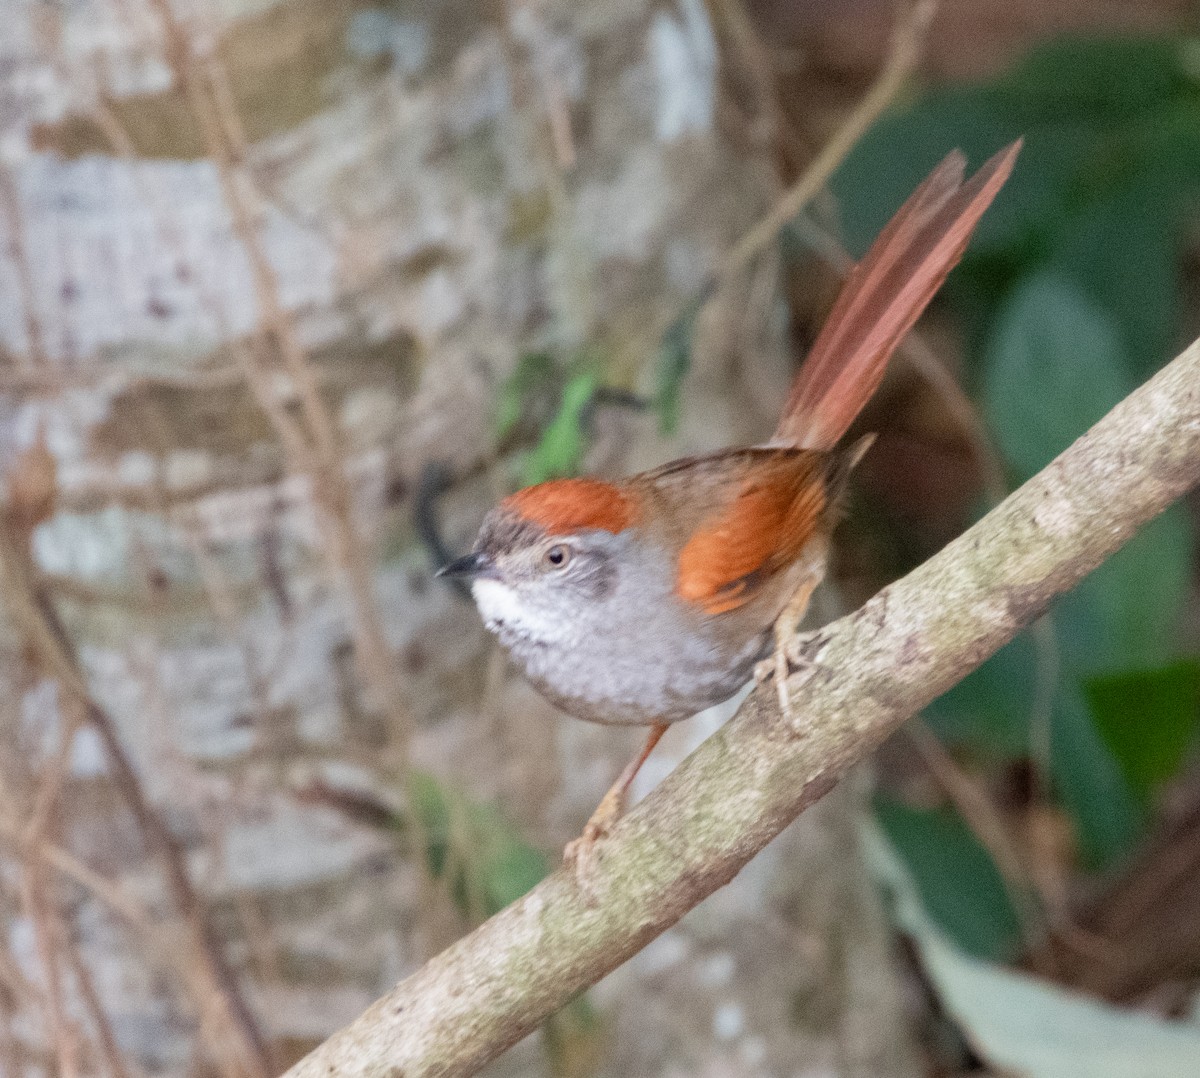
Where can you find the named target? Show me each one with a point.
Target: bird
(646, 599)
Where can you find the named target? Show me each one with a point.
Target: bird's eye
(557, 556)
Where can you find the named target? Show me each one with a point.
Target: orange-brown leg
(578, 851)
(779, 664)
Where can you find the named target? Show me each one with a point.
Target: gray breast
(636, 657)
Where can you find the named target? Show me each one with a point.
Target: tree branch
(866, 673)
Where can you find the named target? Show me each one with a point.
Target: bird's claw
(579, 856)
(789, 656)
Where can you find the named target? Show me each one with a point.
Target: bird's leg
(579, 852)
(785, 655)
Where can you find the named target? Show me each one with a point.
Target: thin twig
(748, 53)
(39, 903)
(62, 1030)
(311, 441)
(313, 446)
(236, 1014)
(70, 867)
(901, 62)
(902, 58)
(168, 946)
(977, 810)
(118, 1066)
(45, 637)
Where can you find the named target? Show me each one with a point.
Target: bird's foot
(580, 854)
(789, 656)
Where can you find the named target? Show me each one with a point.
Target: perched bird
(647, 599)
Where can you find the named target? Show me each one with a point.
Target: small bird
(647, 599)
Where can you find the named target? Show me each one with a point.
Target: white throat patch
(503, 611)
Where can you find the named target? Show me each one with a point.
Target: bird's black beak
(467, 566)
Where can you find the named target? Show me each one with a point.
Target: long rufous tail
(884, 295)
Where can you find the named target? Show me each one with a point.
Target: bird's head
(547, 555)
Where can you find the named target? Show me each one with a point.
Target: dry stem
(901, 61)
(44, 636)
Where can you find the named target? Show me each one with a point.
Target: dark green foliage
(674, 361)
(959, 885)
(1070, 294)
(470, 846)
(1054, 365)
(555, 400)
(1089, 781)
(1148, 719)
(990, 709)
(563, 442)
(1110, 163)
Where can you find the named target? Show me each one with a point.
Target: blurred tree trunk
(444, 188)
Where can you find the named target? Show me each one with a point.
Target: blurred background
(292, 290)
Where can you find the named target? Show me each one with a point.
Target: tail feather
(884, 296)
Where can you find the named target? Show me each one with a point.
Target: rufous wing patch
(562, 506)
(762, 530)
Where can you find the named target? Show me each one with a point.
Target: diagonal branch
(865, 675)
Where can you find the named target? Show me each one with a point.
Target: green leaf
(990, 708)
(1122, 251)
(1111, 78)
(1055, 365)
(430, 802)
(511, 867)
(1090, 783)
(958, 882)
(562, 444)
(1126, 613)
(534, 371)
(1165, 155)
(480, 855)
(1019, 1024)
(1148, 719)
(674, 361)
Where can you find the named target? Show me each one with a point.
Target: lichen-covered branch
(865, 675)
